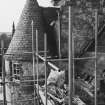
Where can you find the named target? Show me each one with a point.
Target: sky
(10, 10)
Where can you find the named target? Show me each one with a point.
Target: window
(17, 71)
(103, 73)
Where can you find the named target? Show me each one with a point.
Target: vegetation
(7, 40)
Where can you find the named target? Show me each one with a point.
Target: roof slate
(22, 39)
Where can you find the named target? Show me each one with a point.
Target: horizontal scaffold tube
(49, 63)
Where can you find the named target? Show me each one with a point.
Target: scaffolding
(38, 97)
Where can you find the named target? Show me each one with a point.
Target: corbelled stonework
(22, 39)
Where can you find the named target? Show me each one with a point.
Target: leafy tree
(6, 40)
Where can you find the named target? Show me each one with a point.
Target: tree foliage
(6, 40)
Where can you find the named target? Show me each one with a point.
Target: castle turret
(22, 40)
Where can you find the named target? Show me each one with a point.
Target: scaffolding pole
(13, 103)
(37, 61)
(49, 63)
(70, 58)
(45, 55)
(33, 56)
(3, 73)
(59, 34)
(96, 32)
(73, 60)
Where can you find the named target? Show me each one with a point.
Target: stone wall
(23, 92)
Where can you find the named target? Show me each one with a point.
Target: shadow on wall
(49, 18)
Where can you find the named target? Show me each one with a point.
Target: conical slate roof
(22, 39)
